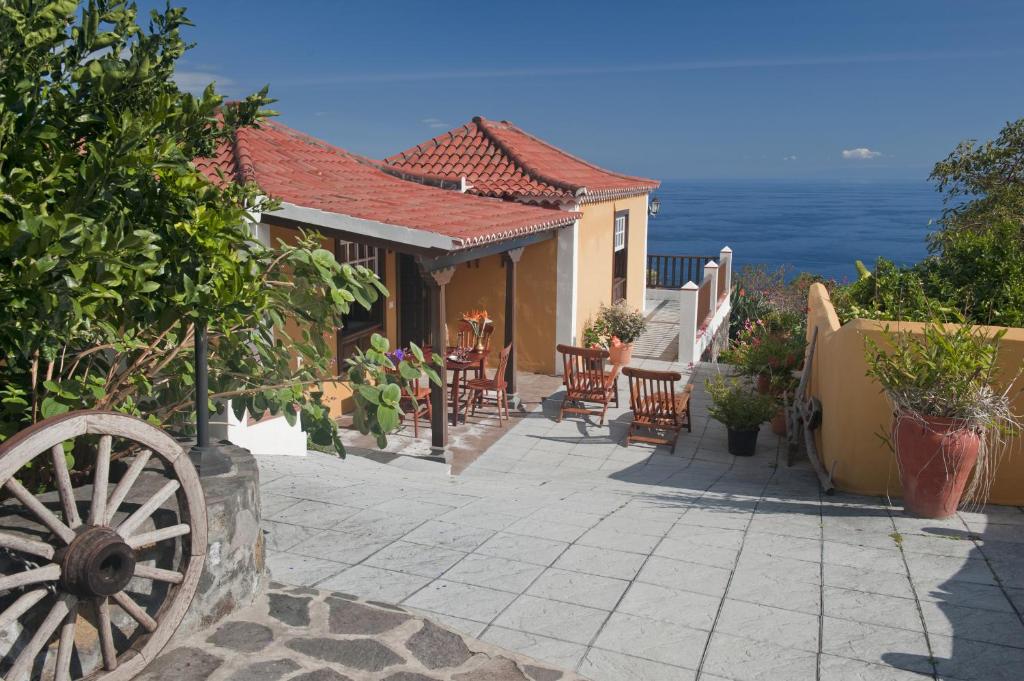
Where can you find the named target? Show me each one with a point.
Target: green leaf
(369, 393)
(388, 418)
(390, 395)
(51, 407)
(379, 343)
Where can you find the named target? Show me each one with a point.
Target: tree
(976, 267)
(112, 244)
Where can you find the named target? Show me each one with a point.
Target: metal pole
(202, 387)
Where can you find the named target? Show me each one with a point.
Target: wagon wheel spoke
(106, 630)
(129, 605)
(45, 515)
(21, 606)
(128, 527)
(98, 512)
(62, 670)
(80, 557)
(48, 573)
(147, 538)
(125, 485)
(158, 574)
(67, 492)
(26, 545)
(23, 664)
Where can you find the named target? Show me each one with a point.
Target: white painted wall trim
(269, 436)
(566, 283)
(647, 236)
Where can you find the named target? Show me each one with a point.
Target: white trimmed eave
(370, 228)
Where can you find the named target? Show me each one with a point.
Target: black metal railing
(672, 271)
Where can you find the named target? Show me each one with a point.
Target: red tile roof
(498, 159)
(309, 173)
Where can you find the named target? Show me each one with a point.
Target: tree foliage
(976, 267)
(113, 245)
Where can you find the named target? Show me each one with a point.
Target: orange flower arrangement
(478, 321)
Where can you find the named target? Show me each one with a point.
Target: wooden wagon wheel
(85, 549)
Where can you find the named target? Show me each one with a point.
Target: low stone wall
(854, 410)
(235, 569)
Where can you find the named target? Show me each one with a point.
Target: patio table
(458, 364)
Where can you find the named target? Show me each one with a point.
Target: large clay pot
(779, 422)
(620, 355)
(936, 457)
(742, 442)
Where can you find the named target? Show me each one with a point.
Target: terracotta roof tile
(498, 159)
(310, 173)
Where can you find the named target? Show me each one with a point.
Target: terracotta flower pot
(779, 422)
(620, 355)
(763, 384)
(742, 442)
(936, 457)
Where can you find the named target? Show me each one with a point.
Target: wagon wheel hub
(97, 563)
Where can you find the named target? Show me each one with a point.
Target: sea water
(813, 226)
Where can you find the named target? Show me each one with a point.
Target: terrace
(564, 545)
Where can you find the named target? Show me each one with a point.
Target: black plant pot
(742, 442)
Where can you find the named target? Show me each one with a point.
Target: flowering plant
(478, 321)
(767, 347)
(614, 326)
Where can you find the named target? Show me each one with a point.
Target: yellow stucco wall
(854, 409)
(480, 284)
(594, 277)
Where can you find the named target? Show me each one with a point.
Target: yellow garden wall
(596, 231)
(480, 284)
(854, 409)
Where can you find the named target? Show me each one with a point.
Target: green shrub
(614, 321)
(735, 404)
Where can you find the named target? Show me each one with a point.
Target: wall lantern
(654, 206)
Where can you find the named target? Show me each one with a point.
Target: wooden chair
(656, 406)
(498, 384)
(465, 340)
(586, 381)
(418, 399)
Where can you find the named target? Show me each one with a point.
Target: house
(508, 235)
(497, 159)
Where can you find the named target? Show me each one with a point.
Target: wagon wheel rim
(88, 560)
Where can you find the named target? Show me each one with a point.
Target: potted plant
(742, 410)
(615, 329)
(949, 420)
(769, 351)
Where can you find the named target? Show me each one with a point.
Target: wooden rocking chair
(586, 381)
(656, 406)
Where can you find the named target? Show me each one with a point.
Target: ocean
(809, 226)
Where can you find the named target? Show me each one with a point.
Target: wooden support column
(436, 282)
(512, 258)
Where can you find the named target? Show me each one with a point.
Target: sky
(787, 89)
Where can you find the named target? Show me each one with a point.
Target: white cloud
(436, 123)
(791, 157)
(861, 153)
(196, 81)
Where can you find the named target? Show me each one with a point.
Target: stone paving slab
(647, 563)
(302, 634)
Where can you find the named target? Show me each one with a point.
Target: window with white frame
(360, 320)
(620, 232)
(359, 254)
